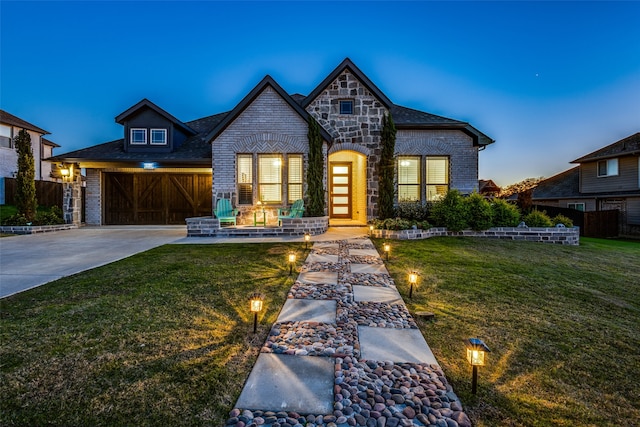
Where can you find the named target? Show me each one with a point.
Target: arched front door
(347, 186)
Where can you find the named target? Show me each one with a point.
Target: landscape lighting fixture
(476, 349)
(292, 260)
(413, 280)
(371, 230)
(307, 239)
(255, 304)
(387, 249)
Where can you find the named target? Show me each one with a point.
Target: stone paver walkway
(345, 351)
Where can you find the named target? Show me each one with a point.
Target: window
(159, 136)
(346, 107)
(436, 177)
(138, 136)
(5, 136)
(576, 206)
(294, 182)
(245, 179)
(270, 178)
(608, 167)
(408, 179)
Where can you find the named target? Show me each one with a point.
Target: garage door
(155, 198)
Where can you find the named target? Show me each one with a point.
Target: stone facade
(361, 128)
(210, 227)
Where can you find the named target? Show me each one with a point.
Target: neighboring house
(165, 170)
(606, 179)
(42, 148)
(488, 188)
(10, 126)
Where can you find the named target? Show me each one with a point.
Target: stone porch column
(72, 197)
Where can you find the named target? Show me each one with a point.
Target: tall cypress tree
(315, 189)
(25, 196)
(386, 168)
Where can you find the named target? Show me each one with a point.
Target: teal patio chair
(295, 211)
(225, 213)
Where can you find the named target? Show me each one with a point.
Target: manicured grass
(165, 337)
(563, 324)
(162, 338)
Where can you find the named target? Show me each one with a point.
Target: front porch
(210, 227)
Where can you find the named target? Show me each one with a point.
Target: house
(42, 148)
(606, 179)
(164, 170)
(488, 188)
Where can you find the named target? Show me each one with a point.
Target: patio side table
(264, 219)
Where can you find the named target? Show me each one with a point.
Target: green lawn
(165, 337)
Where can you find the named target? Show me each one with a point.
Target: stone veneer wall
(210, 227)
(563, 236)
(268, 125)
(458, 146)
(362, 127)
(34, 229)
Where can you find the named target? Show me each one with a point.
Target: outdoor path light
(292, 260)
(476, 349)
(387, 249)
(307, 239)
(413, 280)
(371, 230)
(255, 304)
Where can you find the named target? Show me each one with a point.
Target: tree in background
(25, 195)
(315, 189)
(386, 168)
(519, 187)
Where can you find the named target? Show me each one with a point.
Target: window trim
(289, 183)
(427, 184)
(574, 206)
(417, 184)
(165, 136)
(131, 131)
(342, 102)
(280, 158)
(609, 163)
(250, 181)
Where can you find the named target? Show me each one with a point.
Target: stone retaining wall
(33, 229)
(210, 227)
(562, 236)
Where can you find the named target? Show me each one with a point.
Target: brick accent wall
(93, 201)
(267, 125)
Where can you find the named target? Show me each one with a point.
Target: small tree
(480, 213)
(315, 189)
(25, 195)
(386, 168)
(537, 218)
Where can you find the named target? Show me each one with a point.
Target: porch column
(72, 197)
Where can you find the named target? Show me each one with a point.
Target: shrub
(480, 212)
(537, 218)
(415, 211)
(505, 214)
(399, 224)
(451, 211)
(561, 219)
(52, 216)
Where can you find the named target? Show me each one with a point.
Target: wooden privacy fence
(601, 223)
(48, 193)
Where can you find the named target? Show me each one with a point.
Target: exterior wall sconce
(256, 301)
(65, 171)
(387, 249)
(292, 261)
(476, 350)
(307, 239)
(413, 280)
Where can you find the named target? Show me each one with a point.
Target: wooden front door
(340, 190)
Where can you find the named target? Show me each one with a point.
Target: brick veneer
(210, 227)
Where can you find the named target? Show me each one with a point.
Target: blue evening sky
(549, 81)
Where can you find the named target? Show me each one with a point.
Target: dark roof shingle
(625, 147)
(12, 120)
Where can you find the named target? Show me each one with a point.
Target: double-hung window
(408, 178)
(270, 178)
(5, 136)
(576, 206)
(436, 177)
(158, 136)
(608, 167)
(294, 182)
(138, 136)
(245, 179)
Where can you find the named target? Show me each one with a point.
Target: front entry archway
(347, 186)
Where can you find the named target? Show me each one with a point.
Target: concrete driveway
(33, 260)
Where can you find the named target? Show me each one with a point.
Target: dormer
(150, 129)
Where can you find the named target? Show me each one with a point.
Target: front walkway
(345, 351)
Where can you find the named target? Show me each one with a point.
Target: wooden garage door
(155, 198)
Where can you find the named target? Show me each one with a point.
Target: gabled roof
(565, 185)
(267, 81)
(487, 186)
(625, 147)
(347, 64)
(45, 141)
(12, 120)
(145, 103)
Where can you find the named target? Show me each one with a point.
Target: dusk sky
(549, 81)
